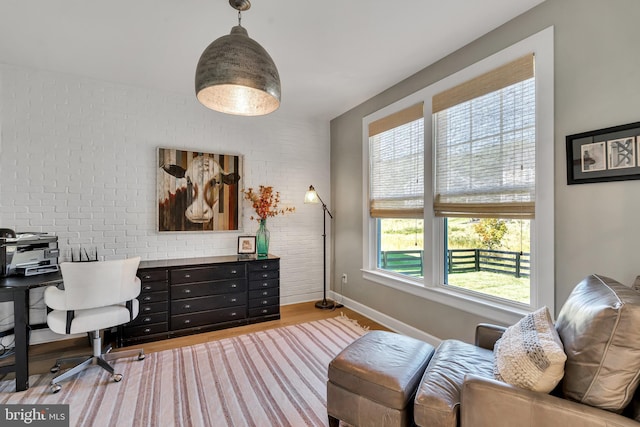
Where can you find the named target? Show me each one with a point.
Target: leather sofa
(599, 326)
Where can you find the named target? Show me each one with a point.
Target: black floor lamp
(312, 197)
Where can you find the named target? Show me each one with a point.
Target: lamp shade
(236, 75)
(311, 196)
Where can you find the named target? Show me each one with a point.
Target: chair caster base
(54, 369)
(117, 377)
(55, 388)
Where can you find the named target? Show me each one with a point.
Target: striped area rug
(275, 377)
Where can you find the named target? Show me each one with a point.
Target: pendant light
(235, 75)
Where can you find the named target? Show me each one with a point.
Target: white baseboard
(297, 299)
(387, 321)
(39, 336)
(381, 318)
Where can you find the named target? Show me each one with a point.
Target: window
(485, 143)
(490, 256)
(487, 185)
(396, 190)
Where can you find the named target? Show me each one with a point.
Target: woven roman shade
(506, 75)
(484, 132)
(396, 170)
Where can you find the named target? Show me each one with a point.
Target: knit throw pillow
(529, 354)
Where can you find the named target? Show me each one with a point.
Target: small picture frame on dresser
(246, 246)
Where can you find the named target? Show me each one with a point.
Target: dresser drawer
(190, 305)
(153, 297)
(137, 331)
(264, 275)
(154, 287)
(153, 307)
(264, 293)
(208, 288)
(264, 311)
(146, 319)
(273, 283)
(204, 274)
(207, 317)
(270, 264)
(153, 275)
(263, 302)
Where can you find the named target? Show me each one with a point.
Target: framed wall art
(610, 154)
(246, 245)
(198, 191)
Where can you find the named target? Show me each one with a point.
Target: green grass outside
(407, 234)
(495, 284)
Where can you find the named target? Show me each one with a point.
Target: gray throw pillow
(599, 325)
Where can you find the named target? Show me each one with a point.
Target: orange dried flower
(266, 202)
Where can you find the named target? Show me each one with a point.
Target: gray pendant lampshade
(236, 75)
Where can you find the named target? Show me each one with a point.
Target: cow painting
(198, 191)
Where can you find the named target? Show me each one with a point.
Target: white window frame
(432, 287)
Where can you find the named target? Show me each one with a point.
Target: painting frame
(246, 245)
(198, 191)
(603, 155)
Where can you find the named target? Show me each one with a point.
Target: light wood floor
(43, 356)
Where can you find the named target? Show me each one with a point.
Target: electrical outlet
(344, 278)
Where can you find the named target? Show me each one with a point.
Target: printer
(27, 254)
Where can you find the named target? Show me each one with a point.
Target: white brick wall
(78, 158)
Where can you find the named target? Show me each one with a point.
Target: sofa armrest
(490, 403)
(487, 335)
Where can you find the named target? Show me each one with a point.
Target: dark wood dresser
(193, 295)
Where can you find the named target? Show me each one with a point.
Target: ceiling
(331, 54)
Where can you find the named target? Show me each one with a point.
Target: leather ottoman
(373, 381)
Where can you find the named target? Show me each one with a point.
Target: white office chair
(97, 295)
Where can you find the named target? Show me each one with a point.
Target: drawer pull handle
(187, 291)
(234, 299)
(265, 284)
(146, 277)
(265, 302)
(265, 275)
(147, 330)
(187, 321)
(264, 311)
(146, 309)
(147, 288)
(265, 266)
(187, 306)
(147, 319)
(234, 314)
(234, 271)
(265, 293)
(186, 276)
(146, 299)
(233, 285)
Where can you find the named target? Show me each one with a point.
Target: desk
(16, 289)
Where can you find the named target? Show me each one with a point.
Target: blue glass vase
(262, 239)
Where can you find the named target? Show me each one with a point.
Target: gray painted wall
(597, 85)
